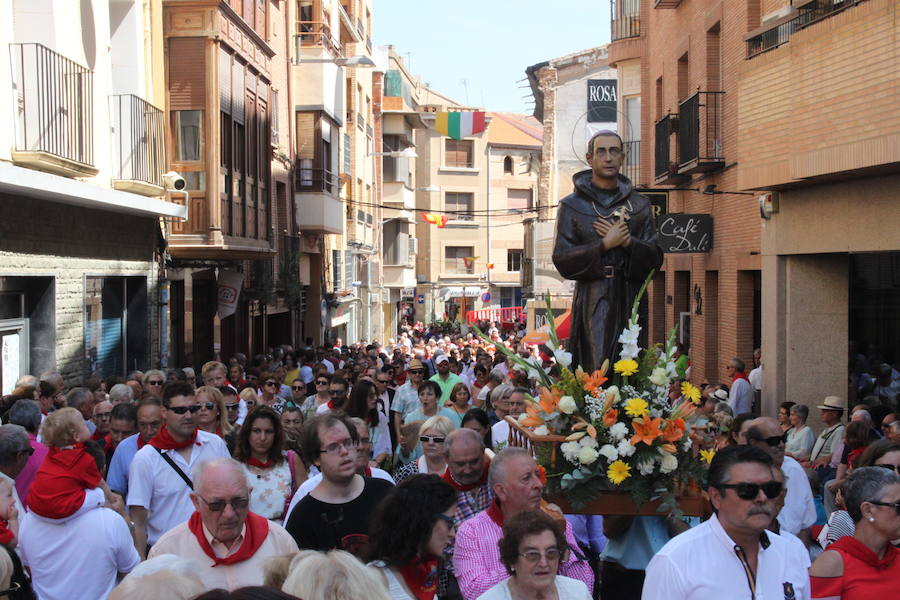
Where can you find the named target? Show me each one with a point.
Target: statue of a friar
(606, 242)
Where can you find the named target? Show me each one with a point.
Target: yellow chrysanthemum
(690, 392)
(636, 407)
(618, 472)
(626, 367)
(707, 455)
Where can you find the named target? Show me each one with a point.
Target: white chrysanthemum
(625, 449)
(669, 463)
(570, 451)
(618, 431)
(609, 452)
(587, 455)
(567, 405)
(659, 377)
(645, 467)
(588, 442)
(542, 430)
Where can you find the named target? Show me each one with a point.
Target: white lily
(562, 357)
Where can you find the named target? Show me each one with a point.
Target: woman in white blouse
(800, 437)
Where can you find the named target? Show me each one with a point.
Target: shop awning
(541, 335)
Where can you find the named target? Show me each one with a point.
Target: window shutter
(187, 74)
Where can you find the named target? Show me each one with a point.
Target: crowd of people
(385, 471)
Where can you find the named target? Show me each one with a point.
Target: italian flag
(459, 125)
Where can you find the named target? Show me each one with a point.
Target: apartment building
(678, 66)
(83, 209)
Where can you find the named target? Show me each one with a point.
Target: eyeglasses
(384, 381)
(448, 520)
(219, 505)
(104, 415)
(365, 441)
(296, 388)
(773, 441)
(894, 505)
(180, 410)
(322, 382)
(534, 556)
(334, 448)
(232, 405)
(270, 383)
(207, 405)
(749, 491)
(154, 382)
(894, 468)
(426, 439)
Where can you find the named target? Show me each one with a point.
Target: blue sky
(488, 43)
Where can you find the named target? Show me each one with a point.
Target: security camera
(174, 181)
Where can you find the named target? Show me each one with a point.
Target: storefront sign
(457, 291)
(659, 201)
(601, 97)
(228, 290)
(407, 293)
(685, 233)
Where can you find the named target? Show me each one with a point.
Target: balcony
(779, 32)
(316, 34)
(665, 169)
(54, 97)
(666, 3)
(700, 133)
(631, 168)
(319, 209)
(625, 19)
(138, 145)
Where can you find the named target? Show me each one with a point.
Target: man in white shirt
(230, 542)
(159, 490)
(739, 558)
(755, 375)
(799, 512)
(740, 398)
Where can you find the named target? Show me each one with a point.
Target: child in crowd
(68, 480)
(9, 515)
(408, 449)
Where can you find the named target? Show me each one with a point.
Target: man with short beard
(740, 559)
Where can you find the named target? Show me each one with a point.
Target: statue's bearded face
(606, 156)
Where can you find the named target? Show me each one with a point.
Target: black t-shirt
(318, 525)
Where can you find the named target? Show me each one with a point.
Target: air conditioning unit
(413, 250)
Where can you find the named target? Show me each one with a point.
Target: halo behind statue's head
(602, 133)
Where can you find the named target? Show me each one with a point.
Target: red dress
(866, 577)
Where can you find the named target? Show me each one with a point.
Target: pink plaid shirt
(476, 557)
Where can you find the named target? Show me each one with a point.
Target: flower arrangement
(616, 431)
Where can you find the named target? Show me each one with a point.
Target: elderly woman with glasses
(269, 387)
(866, 564)
(410, 529)
(800, 437)
(433, 460)
(322, 395)
(153, 382)
(531, 549)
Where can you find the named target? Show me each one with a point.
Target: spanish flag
(436, 219)
(490, 265)
(458, 125)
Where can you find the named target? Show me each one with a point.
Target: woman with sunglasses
(322, 395)
(431, 438)
(865, 565)
(531, 549)
(410, 529)
(268, 392)
(212, 416)
(274, 474)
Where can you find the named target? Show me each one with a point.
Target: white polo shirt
(799, 511)
(78, 556)
(701, 564)
(154, 484)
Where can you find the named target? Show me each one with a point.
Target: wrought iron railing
(625, 19)
(809, 14)
(315, 34)
(700, 128)
(315, 180)
(661, 151)
(138, 140)
(55, 103)
(632, 166)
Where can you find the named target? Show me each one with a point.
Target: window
(632, 119)
(519, 199)
(459, 203)
(455, 260)
(116, 324)
(514, 260)
(188, 134)
(336, 270)
(508, 165)
(274, 111)
(458, 154)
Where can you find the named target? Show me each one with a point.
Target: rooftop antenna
(465, 83)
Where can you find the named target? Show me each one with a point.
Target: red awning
(541, 335)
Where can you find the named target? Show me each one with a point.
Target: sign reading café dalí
(685, 233)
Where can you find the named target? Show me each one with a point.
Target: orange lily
(594, 381)
(549, 399)
(674, 430)
(610, 418)
(670, 448)
(533, 419)
(646, 430)
(542, 473)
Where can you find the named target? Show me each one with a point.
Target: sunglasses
(271, 383)
(894, 505)
(180, 410)
(425, 439)
(336, 392)
(417, 371)
(207, 405)
(154, 382)
(773, 441)
(749, 491)
(219, 505)
(448, 520)
(232, 405)
(322, 382)
(894, 468)
(296, 388)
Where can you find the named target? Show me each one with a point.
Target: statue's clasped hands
(614, 233)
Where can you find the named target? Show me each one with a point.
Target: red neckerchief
(261, 464)
(255, 532)
(164, 440)
(852, 546)
(97, 436)
(459, 487)
(141, 442)
(368, 472)
(739, 375)
(420, 577)
(495, 513)
(108, 443)
(6, 534)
